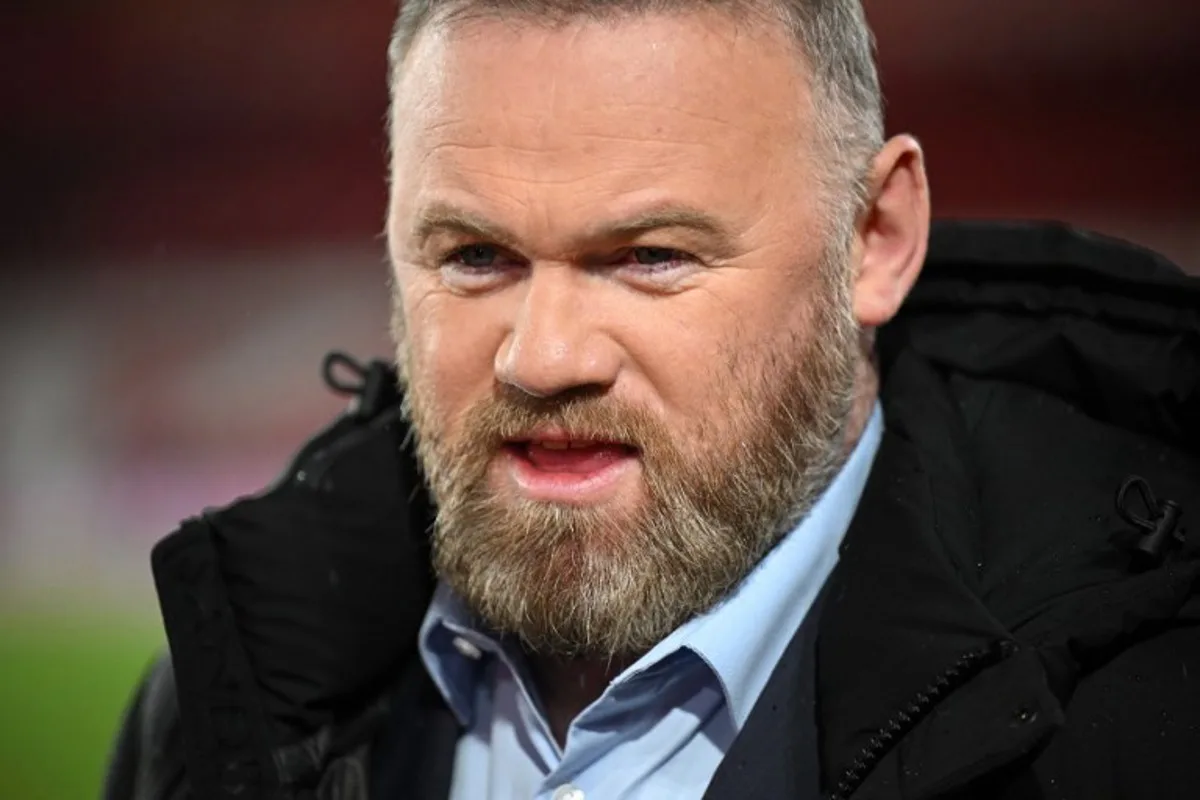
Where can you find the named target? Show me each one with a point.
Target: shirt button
(568, 792)
(467, 650)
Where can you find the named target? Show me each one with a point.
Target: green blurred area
(64, 681)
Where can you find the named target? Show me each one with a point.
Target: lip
(567, 487)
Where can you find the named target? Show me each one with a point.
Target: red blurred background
(193, 191)
(136, 126)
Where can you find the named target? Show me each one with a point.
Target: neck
(866, 393)
(566, 686)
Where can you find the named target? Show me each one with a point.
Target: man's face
(622, 317)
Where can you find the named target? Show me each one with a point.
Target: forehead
(626, 105)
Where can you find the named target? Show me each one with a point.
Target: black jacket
(999, 625)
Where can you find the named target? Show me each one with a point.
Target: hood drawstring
(375, 384)
(1161, 531)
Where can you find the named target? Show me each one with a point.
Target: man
(697, 530)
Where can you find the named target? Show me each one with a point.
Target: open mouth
(562, 468)
(575, 456)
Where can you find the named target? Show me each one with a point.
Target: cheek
(684, 350)
(451, 352)
(707, 353)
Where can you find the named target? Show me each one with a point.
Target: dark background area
(134, 127)
(190, 200)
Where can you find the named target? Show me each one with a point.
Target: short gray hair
(833, 37)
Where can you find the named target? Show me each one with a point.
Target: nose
(556, 344)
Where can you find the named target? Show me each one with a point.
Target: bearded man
(666, 495)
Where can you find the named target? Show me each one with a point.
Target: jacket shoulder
(147, 761)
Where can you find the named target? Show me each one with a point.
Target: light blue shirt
(663, 725)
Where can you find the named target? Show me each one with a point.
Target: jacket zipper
(967, 666)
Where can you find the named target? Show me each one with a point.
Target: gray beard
(591, 583)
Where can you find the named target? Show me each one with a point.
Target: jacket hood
(1109, 327)
(1033, 371)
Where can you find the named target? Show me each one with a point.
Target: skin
(568, 149)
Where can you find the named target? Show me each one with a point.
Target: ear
(893, 231)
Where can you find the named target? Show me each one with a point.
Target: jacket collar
(924, 681)
(1032, 370)
(901, 629)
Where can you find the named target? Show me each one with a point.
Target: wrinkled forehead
(658, 84)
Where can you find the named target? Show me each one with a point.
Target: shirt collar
(740, 641)
(436, 643)
(744, 637)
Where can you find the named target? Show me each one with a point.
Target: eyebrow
(446, 218)
(442, 217)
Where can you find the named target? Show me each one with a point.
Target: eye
(477, 267)
(658, 256)
(658, 268)
(475, 256)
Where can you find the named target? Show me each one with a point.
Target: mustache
(512, 415)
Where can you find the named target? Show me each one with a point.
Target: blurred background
(190, 200)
